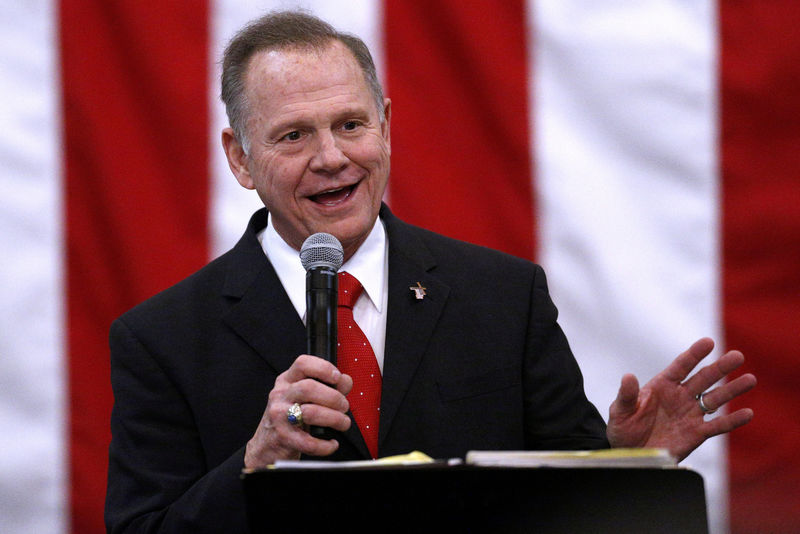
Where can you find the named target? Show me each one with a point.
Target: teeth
(331, 191)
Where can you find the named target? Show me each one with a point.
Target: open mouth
(332, 197)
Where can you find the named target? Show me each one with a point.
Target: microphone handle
(321, 306)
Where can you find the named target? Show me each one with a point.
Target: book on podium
(616, 491)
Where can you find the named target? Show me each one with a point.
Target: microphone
(321, 256)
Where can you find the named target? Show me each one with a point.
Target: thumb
(628, 395)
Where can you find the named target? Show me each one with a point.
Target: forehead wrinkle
(286, 65)
(317, 94)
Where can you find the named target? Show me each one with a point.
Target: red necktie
(356, 358)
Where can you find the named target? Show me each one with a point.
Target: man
(462, 342)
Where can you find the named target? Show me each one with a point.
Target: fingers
(713, 373)
(727, 423)
(703, 379)
(313, 392)
(685, 363)
(320, 389)
(318, 415)
(720, 396)
(320, 405)
(306, 366)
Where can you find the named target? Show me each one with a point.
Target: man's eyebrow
(354, 110)
(289, 124)
(295, 121)
(350, 112)
(298, 122)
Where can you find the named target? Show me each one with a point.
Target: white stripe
(231, 205)
(32, 412)
(623, 109)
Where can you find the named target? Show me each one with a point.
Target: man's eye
(350, 125)
(291, 136)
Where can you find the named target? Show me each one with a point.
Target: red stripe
(760, 84)
(135, 114)
(457, 74)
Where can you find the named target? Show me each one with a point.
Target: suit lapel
(260, 318)
(410, 321)
(264, 317)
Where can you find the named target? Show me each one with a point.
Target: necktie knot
(349, 289)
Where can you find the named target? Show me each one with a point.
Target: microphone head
(321, 250)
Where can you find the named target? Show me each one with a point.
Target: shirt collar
(368, 265)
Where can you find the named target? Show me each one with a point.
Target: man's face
(319, 155)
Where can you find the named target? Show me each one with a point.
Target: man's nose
(328, 157)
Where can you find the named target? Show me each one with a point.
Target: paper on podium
(600, 458)
(413, 459)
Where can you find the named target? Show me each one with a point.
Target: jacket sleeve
(158, 477)
(558, 416)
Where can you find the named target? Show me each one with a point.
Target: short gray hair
(282, 30)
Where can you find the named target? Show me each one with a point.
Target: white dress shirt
(370, 265)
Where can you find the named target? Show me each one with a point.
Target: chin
(351, 236)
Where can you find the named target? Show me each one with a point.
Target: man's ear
(387, 122)
(237, 159)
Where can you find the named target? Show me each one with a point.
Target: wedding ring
(706, 409)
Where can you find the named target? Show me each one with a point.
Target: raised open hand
(667, 412)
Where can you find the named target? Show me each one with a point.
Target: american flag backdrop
(645, 152)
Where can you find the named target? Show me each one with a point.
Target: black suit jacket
(479, 363)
